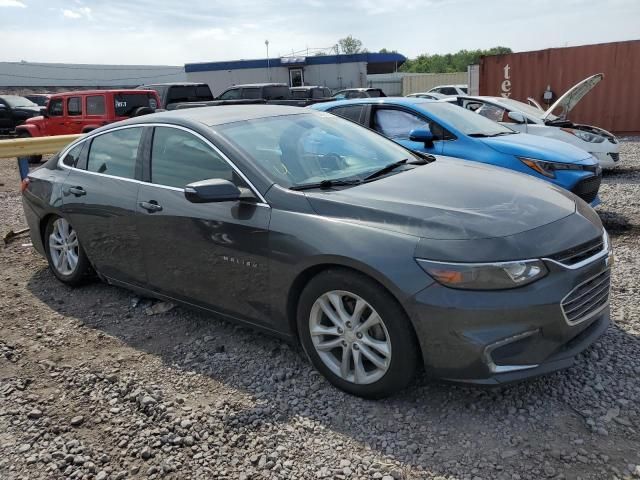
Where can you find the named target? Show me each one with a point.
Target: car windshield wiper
(487, 135)
(393, 166)
(324, 184)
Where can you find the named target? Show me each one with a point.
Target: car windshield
(464, 120)
(16, 101)
(294, 150)
(524, 108)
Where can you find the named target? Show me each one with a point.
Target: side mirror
(422, 135)
(214, 190)
(516, 117)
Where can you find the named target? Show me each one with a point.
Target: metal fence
(426, 81)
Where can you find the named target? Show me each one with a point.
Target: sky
(172, 32)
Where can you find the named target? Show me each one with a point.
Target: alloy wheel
(350, 337)
(64, 247)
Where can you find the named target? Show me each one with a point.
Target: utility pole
(266, 42)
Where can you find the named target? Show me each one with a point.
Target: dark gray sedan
(311, 227)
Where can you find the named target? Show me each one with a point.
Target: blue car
(443, 129)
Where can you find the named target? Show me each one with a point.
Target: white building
(333, 71)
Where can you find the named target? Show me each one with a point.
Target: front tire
(65, 254)
(356, 334)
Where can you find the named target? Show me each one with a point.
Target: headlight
(484, 276)
(548, 169)
(586, 136)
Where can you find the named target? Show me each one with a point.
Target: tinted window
(448, 91)
(95, 105)
(189, 93)
(179, 158)
(301, 94)
(351, 112)
(232, 94)
(55, 108)
(375, 93)
(396, 124)
(74, 106)
(115, 153)
(250, 93)
(463, 89)
(71, 158)
(127, 103)
(276, 93)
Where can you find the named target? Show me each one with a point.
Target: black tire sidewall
(83, 267)
(404, 348)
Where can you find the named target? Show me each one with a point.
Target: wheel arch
(307, 274)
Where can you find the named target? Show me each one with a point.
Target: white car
(536, 121)
(450, 90)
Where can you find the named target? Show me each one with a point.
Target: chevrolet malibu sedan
(440, 128)
(305, 225)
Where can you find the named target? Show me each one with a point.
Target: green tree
(349, 45)
(450, 62)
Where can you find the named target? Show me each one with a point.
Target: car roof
(406, 101)
(307, 87)
(170, 84)
(100, 92)
(259, 85)
(220, 114)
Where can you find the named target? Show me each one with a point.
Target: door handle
(151, 206)
(77, 191)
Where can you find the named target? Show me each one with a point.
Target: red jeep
(80, 112)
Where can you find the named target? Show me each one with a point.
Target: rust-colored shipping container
(614, 104)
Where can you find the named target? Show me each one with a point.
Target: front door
(214, 255)
(296, 77)
(99, 199)
(396, 124)
(55, 121)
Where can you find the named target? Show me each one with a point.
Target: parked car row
(378, 255)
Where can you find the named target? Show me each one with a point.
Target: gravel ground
(93, 387)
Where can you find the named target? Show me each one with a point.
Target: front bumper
(607, 159)
(493, 337)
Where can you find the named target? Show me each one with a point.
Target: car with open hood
(375, 259)
(438, 127)
(553, 122)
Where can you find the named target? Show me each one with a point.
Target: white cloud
(12, 3)
(76, 13)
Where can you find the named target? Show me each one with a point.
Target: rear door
(213, 255)
(99, 199)
(95, 112)
(73, 121)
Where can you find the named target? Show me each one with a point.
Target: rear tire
(356, 334)
(66, 257)
(33, 159)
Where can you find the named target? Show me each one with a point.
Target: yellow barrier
(22, 147)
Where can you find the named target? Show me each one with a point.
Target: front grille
(577, 254)
(614, 156)
(587, 298)
(587, 189)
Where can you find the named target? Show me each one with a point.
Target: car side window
(350, 112)
(72, 156)
(179, 158)
(95, 105)
(448, 91)
(55, 107)
(232, 94)
(250, 93)
(115, 153)
(397, 124)
(492, 112)
(74, 106)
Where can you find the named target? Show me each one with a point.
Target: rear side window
(74, 106)
(375, 93)
(350, 112)
(277, 93)
(95, 105)
(115, 153)
(126, 104)
(250, 93)
(55, 107)
(321, 93)
(189, 93)
(232, 94)
(300, 94)
(448, 91)
(179, 158)
(72, 156)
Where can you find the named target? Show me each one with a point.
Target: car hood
(535, 146)
(571, 97)
(30, 110)
(449, 199)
